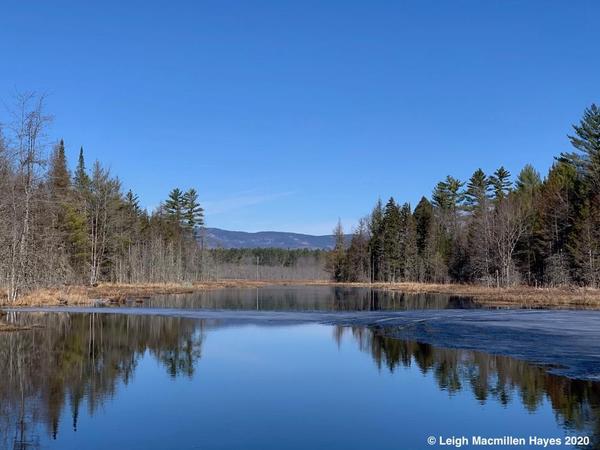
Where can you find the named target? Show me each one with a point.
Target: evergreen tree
(586, 141)
(392, 246)
(477, 202)
(423, 216)
(528, 187)
(132, 202)
(77, 243)
(584, 245)
(58, 174)
(81, 179)
(174, 206)
(358, 258)
(409, 253)
(59, 198)
(426, 238)
(558, 199)
(376, 241)
(585, 234)
(440, 197)
(477, 192)
(336, 262)
(193, 213)
(528, 181)
(76, 219)
(555, 211)
(501, 183)
(456, 195)
(448, 197)
(59, 183)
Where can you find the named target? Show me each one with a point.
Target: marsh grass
(518, 296)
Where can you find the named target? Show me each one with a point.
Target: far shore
(518, 296)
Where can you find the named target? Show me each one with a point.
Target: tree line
(265, 264)
(490, 229)
(59, 226)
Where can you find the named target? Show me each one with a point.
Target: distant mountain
(215, 238)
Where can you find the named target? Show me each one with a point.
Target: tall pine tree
(174, 206)
(336, 261)
(193, 213)
(501, 183)
(392, 245)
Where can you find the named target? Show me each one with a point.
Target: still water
(310, 298)
(100, 381)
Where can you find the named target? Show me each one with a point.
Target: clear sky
(287, 115)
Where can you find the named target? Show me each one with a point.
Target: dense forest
(490, 229)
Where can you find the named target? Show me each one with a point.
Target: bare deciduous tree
(28, 131)
(509, 225)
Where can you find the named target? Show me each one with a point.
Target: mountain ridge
(220, 238)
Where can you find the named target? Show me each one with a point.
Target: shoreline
(518, 296)
(118, 293)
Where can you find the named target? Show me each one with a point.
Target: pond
(97, 380)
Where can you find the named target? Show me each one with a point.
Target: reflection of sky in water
(302, 386)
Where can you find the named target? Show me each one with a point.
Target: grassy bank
(117, 293)
(517, 296)
(520, 296)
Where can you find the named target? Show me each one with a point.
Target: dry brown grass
(520, 296)
(118, 293)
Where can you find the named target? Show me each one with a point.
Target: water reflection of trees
(315, 298)
(576, 403)
(72, 357)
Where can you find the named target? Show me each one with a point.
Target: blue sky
(287, 115)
